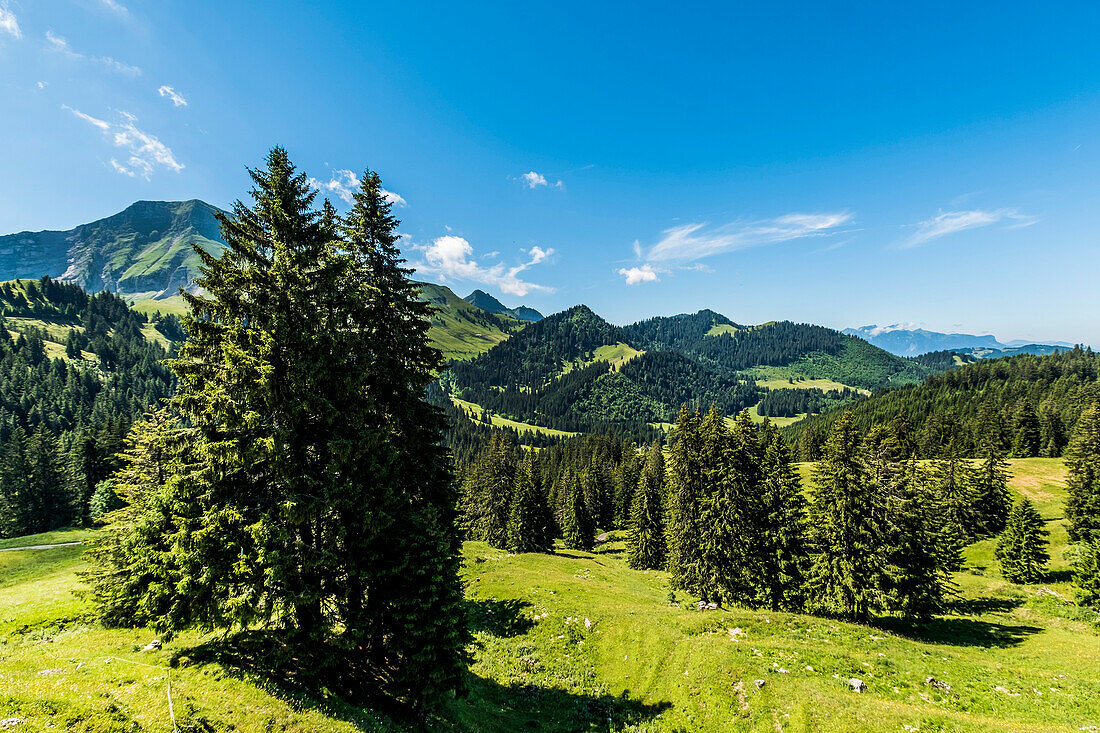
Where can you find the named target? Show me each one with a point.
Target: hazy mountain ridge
(905, 341)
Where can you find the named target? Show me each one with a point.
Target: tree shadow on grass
(315, 676)
(307, 681)
(494, 706)
(1058, 576)
(956, 631)
(982, 606)
(505, 618)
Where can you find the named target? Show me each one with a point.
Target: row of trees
(880, 532)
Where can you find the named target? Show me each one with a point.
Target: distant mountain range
(143, 251)
(486, 302)
(904, 341)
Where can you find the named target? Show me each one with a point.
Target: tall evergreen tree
(646, 542)
(529, 518)
(1021, 548)
(1026, 435)
(783, 553)
(487, 494)
(953, 484)
(1083, 478)
(687, 483)
(578, 532)
(849, 563)
(989, 481)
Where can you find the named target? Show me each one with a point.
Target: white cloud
(533, 179)
(689, 242)
(147, 152)
(638, 275)
(60, 45)
(172, 94)
(115, 7)
(8, 22)
(949, 222)
(42, 85)
(345, 183)
(451, 257)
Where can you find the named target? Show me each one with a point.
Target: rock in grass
(759, 683)
(9, 723)
(857, 685)
(938, 684)
(152, 646)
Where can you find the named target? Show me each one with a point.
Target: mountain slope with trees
(1032, 404)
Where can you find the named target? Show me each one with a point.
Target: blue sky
(841, 164)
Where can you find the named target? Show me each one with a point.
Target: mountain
(904, 341)
(486, 302)
(779, 350)
(144, 250)
(575, 371)
(964, 404)
(462, 330)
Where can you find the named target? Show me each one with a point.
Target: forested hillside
(75, 371)
(575, 371)
(1034, 402)
(802, 349)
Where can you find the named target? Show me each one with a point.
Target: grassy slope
(477, 411)
(457, 337)
(643, 665)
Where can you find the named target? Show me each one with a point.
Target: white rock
(857, 685)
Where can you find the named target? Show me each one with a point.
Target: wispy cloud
(345, 183)
(950, 222)
(639, 275)
(689, 242)
(146, 152)
(176, 98)
(60, 45)
(533, 179)
(451, 257)
(8, 22)
(115, 7)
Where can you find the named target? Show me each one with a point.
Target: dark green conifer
(646, 541)
(687, 487)
(1083, 478)
(783, 551)
(1021, 548)
(487, 493)
(1026, 435)
(529, 518)
(577, 528)
(847, 571)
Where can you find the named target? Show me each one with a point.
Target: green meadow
(577, 641)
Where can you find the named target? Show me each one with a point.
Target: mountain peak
(480, 299)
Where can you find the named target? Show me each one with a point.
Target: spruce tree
(687, 484)
(783, 550)
(1021, 548)
(577, 528)
(529, 517)
(954, 487)
(646, 541)
(848, 567)
(1026, 436)
(487, 493)
(989, 485)
(1086, 573)
(922, 553)
(1083, 478)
